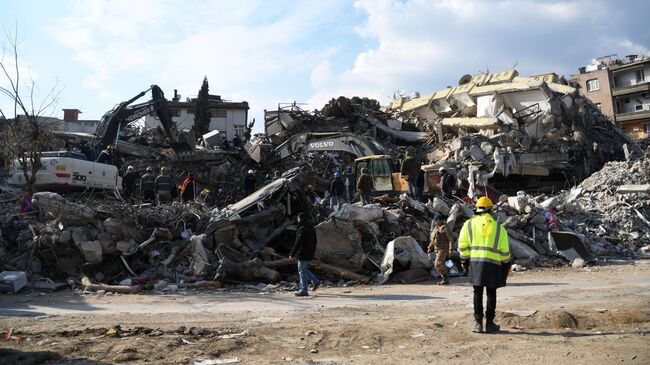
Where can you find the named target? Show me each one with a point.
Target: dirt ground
(598, 315)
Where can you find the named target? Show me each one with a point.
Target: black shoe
(301, 294)
(316, 286)
(492, 327)
(478, 327)
(444, 281)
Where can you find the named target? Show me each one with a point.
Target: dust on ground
(595, 315)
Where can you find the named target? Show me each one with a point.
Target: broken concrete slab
(631, 189)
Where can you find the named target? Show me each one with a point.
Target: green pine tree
(202, 113)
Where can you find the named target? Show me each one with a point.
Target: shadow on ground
(11, 356)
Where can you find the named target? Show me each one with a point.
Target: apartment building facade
(228, 117)
(621, 89)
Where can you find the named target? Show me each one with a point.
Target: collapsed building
(530, 143)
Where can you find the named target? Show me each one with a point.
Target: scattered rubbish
(234, 335)
(12, 281)
(217, 361)
(521, 313)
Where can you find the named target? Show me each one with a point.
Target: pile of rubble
(530, 143)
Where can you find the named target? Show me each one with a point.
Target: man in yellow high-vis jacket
(485, 253)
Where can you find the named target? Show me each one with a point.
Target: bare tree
(24, 137)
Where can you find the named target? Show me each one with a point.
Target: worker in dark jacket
(163, 186)
(485, 252)
(106, 156)
(409, 170)
(337, 191)
(147, 186)
(249, 183)
(188, 188)
(128, 182)
(365, 186)
(304, 250)
(447, 183)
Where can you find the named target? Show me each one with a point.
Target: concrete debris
(567, 192)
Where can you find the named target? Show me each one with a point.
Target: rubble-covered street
(329, 182)
(418, 324)
(570, 189)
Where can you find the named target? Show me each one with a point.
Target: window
(218, 113)
(638, 108)
(640, 77)
(190, 111)
(175, 113)
(599, 106)
(240, 130)
(593, 85)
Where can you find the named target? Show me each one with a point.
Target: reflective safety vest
(483, 239)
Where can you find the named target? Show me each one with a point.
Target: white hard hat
(251, 171)
(441, 169)
(130, 168)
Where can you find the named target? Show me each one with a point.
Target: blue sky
(98, 53)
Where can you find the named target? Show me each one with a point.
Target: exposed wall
(603, 96)
(234, 120)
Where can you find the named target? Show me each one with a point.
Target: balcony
(634, 116)
(636, 88)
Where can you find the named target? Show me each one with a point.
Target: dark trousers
(148, 195)
(490, 312)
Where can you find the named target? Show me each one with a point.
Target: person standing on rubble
(236, 141)
(337, 191)
(188, 188)
(128, 182)
(439, 243)
(348, 177)
(106, 156)
(249, 182)
(365, 186)
(447, 183)
(409, 171)
(304, 250)
(163, 186)
(147, 186)
(485, 252)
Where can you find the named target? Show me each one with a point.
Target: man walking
(409, 171)
(304, 250)
(439, 243)
(147, 186)
(337, 190)
(365, 186)
(485, 253)
(163, 186)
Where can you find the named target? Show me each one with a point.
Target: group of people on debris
(412, 172)
(161, 189)
(483, 249)
(236, 143)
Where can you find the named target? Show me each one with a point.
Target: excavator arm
(334, 141)
(124, 113)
